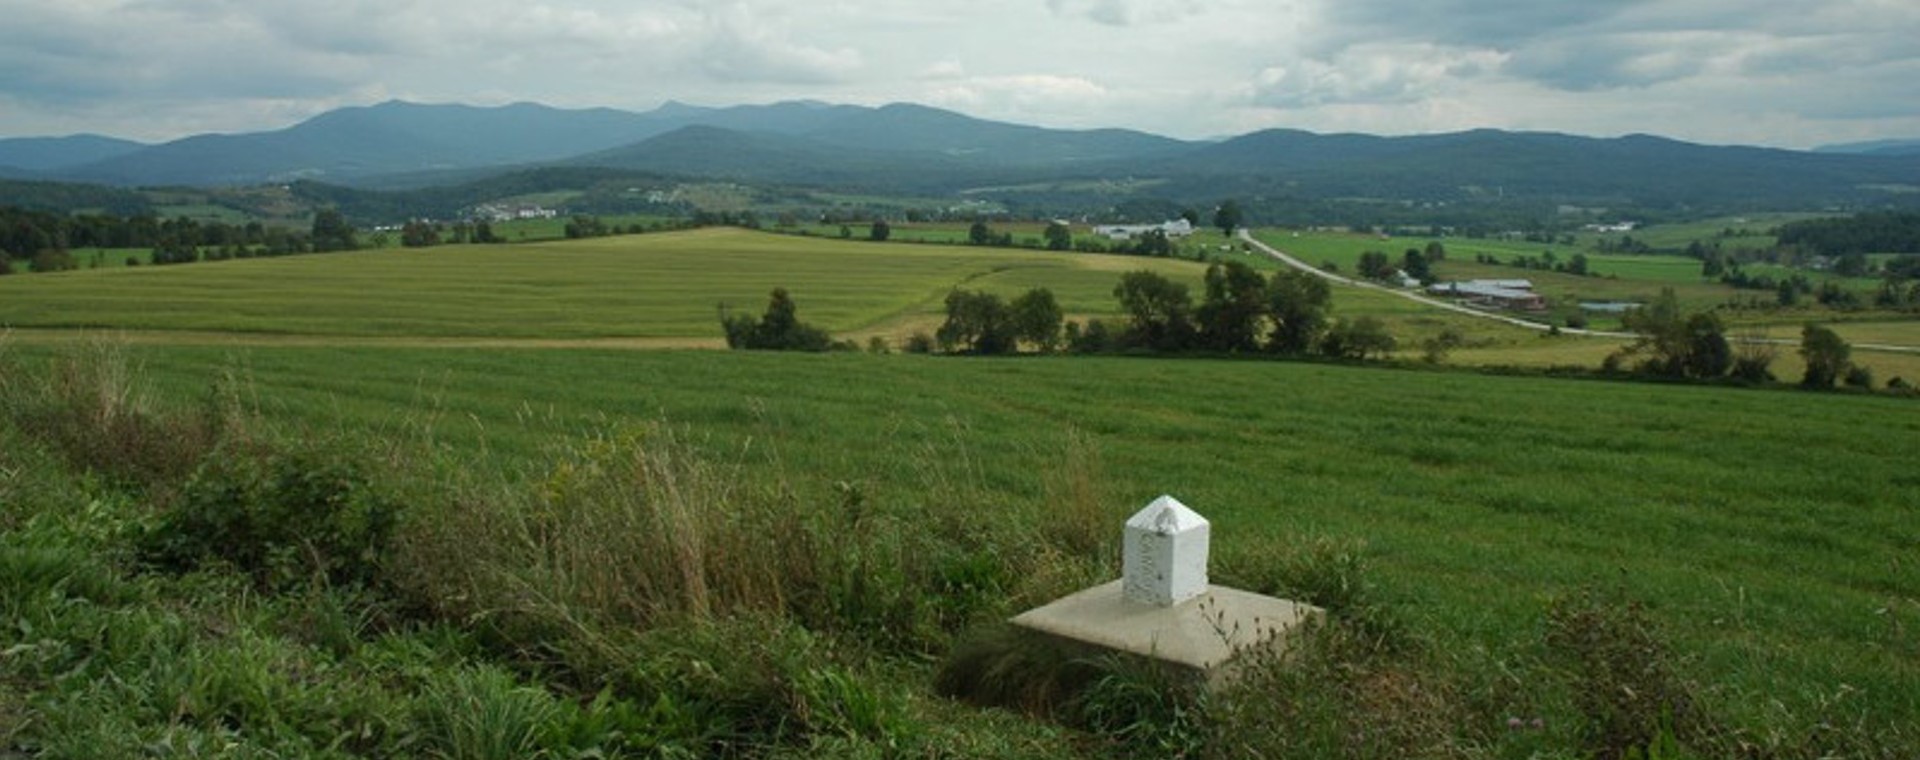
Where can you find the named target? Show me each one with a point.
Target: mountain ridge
(907, 147)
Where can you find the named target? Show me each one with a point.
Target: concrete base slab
(1202, 633)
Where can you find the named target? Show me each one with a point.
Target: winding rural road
(1410, 295)
(1285, 258)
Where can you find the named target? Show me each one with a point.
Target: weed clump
(285, 519)
(1622, 676)
(89, 407)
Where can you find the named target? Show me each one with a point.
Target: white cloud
(946, 69)
(1020, 91)
(1371, 74)
(744, 44)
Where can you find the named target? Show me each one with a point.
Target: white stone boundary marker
(1165, 554)
(1163, 608)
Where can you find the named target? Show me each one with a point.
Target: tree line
(1695, 346)
(1240, 311)
(1870, 232)
(45, 241)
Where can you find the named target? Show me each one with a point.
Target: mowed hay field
(1772, 534)
(661, 286)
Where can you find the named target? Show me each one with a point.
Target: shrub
(283, 518)
(1434, 350)
(919, 343)
(1753, 359)
(1859, 377)
(1095, 337)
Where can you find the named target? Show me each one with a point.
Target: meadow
(1765, 537)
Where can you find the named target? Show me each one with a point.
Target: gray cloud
(1770, 70)
(1498, 24)
(1602, 62)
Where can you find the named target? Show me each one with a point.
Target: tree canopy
(1228, 217)
(1827, 356)
(1676, 344)
(1159, 311)
(779, 329)
(1872, 232)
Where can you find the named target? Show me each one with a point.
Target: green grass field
(1768, 533)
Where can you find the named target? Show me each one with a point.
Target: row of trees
(1241, 311)
(24, 233)
(984, 323)
(45, 240)
(423, 234)
(1415, 262)
(1673, 344)
(1546, 262)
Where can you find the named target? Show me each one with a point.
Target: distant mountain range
(912, 148)
(34, 155)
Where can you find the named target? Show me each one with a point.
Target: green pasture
(110, 258)
(1771, 533)
(1676, 236)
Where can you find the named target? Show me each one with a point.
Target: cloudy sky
(1790, 73)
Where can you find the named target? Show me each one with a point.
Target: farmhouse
(1500, 294)
(1174, 229)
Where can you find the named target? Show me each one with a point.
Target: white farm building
(1177, 228)
(1502, 294)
